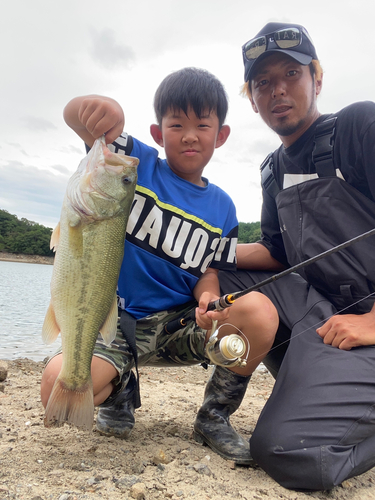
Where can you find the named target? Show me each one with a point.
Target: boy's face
(284, 94)
(189, 141)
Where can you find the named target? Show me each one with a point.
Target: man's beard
(287, 129)
(284, 130)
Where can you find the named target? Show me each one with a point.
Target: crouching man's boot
(116, 415)
(224, 393)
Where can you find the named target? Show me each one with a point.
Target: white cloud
(36, 123)
(107, 51)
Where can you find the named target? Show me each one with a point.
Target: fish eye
(126, 180)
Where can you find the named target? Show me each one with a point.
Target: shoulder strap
(128, 325)
(322, 155)
(267, 176)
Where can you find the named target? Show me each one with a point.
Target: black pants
(318, 426)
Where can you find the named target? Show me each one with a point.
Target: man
(318, 427)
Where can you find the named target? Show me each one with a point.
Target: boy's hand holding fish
(93, 116)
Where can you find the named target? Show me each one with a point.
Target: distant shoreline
(28, 259)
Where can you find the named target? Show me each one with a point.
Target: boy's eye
(292, 72)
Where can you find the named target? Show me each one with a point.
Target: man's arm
(92, 116)
(256, 257)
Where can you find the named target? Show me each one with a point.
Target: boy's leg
(116, 415)
(231, 282)
(102, 373)
(224, 391)
(256, 317)
(112, 382)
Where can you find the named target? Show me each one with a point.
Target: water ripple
(24, 298)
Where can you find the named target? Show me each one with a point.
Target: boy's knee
(264, 317)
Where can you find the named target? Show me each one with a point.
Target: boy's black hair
(191, 87)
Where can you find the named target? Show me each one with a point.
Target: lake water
(24, 299)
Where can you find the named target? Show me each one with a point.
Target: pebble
(138, 491)
(160, 458)
(202, 469)
(126, 482)
(3, 370)
(346, 484)
(65, 496)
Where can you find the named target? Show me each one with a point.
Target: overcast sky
(52, 51)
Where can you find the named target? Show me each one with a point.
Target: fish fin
(50, 329)
(74, 407)
(55, 238)
(109, 328)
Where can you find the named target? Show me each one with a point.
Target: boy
(181, 231)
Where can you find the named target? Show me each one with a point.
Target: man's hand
(349, 330)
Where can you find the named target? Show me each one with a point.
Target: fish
(89, 247)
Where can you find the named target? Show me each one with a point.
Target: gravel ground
(160, 460)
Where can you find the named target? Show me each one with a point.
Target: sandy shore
(29, 259)
(159, 461)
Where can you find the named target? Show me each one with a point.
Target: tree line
(30, 238)
(23, 236)
(249, 232)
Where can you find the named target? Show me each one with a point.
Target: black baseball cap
(290, 39)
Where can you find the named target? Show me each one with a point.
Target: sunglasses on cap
(283, 39)
(292, 40)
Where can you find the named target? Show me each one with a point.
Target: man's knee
(314, 468)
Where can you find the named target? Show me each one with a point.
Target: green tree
(249, 232)
(23, 236)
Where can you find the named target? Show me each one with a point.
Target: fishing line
(314, 326)
(228, 299)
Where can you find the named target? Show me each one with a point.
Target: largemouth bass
(89, 246)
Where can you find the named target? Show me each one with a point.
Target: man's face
(284, 94)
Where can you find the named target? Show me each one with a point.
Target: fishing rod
(227, 300)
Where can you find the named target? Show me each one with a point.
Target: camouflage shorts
(156, 347)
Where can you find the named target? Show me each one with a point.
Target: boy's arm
(207, 290)
(92, 116)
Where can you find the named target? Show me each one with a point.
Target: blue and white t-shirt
(176, 230)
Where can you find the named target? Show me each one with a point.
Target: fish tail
(74, 407)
